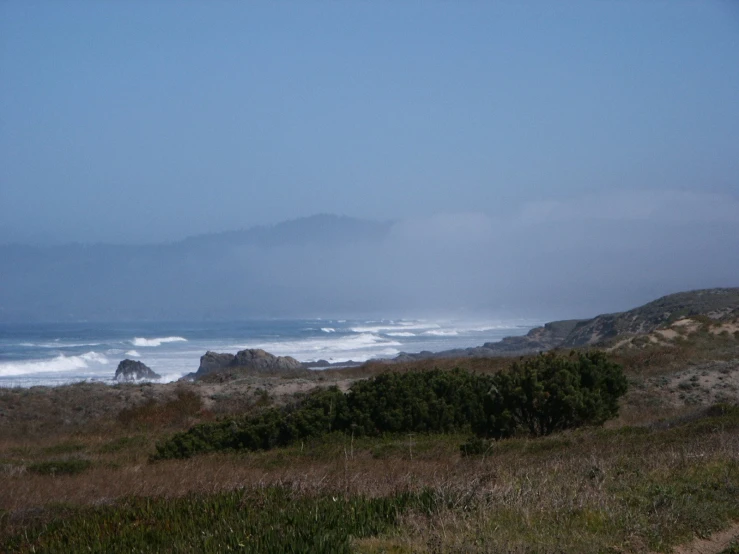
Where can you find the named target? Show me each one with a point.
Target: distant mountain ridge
(324, 228)
(257, 271)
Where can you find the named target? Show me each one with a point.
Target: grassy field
(663, 473)
(592, 490)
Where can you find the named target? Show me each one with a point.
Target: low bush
(475, 446)
(538, 396)
(184, 405)
(60, 467)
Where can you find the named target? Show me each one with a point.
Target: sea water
(58, 353)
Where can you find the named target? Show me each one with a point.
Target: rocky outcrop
(259, 361)
(132, 370)
(213, 361)
(538, 339)
(249, 362)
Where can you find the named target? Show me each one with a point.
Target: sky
(141, 122)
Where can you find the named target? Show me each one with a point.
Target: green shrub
(475, 446)
(316, 416)
(536, 397)
(417, 402)
(550, 392)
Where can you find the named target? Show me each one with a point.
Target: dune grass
(628, 489)
(270, 520)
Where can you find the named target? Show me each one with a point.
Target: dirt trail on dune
(717, 543)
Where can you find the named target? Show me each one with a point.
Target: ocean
(59, 353)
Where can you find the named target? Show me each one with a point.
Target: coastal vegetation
(627, 446)
(537, 396)
(630, 489)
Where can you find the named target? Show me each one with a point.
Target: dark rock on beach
(258, 361)
(245, 362)
(132, 370)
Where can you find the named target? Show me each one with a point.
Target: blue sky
(149, 121)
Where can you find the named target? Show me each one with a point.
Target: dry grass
(586, 488)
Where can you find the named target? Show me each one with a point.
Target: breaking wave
(54, 365)
(140, 341)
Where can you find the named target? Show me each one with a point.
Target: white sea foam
(401, 334)
(169, 377)
(328, 329)
(133, 353)
(359, 347)
(140, 341)
(55, 365)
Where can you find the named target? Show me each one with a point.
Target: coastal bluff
(715, 304)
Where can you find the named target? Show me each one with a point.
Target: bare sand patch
(690, 325)
(729, 327)
(669, 334)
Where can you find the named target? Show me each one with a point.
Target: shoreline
(49, 380)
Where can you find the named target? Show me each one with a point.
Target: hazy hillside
(464, 266)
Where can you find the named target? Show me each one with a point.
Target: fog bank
(549, 259)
